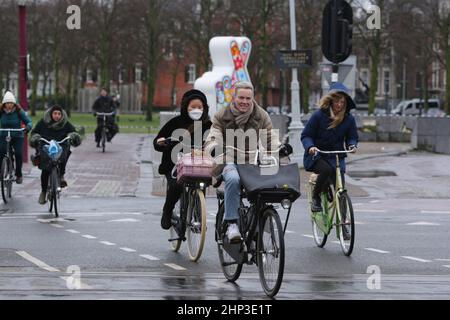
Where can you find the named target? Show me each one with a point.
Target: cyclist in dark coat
(54, 126)
(329, 129)
(105, 104)
(194, 107)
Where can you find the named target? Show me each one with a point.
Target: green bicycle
(337, 211)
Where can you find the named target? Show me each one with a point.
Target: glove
(74, 139)
(34, 140)
(352, 148)
(285, 150)
(94, 114)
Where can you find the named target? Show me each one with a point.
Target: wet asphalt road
(115, 246)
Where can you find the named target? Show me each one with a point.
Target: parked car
(415, 107)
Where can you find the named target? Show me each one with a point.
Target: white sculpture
(229, 56)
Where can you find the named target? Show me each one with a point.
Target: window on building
(190, 73)
(168, 48)
(387, 83)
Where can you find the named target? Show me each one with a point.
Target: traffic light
(337, 30)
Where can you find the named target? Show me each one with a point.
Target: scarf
(241, 118)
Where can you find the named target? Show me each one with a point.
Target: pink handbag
(192, 167)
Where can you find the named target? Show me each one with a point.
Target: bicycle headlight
(286, 203)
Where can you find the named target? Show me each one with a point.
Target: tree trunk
(69, 90)
(305, 90)
(375, 59)
(447, 77)
(56, 72)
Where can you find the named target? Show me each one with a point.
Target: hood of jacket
(58, 125)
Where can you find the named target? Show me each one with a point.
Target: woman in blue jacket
(330, 128)
(11, 117)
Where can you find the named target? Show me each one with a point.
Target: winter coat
(224, 120)
(48, 129)
(316, 134)
(14, 120)
(104, 105)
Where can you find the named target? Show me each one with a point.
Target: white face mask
(195, 114)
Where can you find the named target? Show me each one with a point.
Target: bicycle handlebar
(336, 151)
(6, 129)
(58, 142)
(104, 114)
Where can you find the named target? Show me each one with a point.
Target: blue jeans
(232, 191)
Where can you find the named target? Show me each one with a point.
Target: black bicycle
(261, 229)
(104, 133)
(7, 167)
(54, 151)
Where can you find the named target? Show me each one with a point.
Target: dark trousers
(173, 193)
(45, 174)
(110, 125)
(17, 145)
(327, 174)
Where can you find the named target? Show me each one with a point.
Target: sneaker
(98, 144)
(19, 180)
(63, 182)
(42, 197)
(233, 233)
(316, 205)
(166, 221)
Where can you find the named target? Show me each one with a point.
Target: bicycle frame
(8, 140)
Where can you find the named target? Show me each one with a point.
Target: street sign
(287, 59)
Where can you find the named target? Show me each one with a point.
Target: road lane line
(376, 250)
(128, 249)
(88, 236)
(308, 236)
(416, 259)
(446, 265)
(36, 261)
(56, 225)
(108, 243)
(149, 257)
(442, 259)
(374, 201)
(72, 231)
(434, 211)
(289, 231)
(423, 223)
(174, 266)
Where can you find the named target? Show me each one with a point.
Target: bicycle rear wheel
(196, 224)
(270, 252)
(5, 178)
(346, 224)
(103, 139)
(230, 268)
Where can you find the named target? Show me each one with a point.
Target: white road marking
(149, 257)
(72, 231)
(376, 250)
(423, 223)
(174, 266)
(308, 236)
(370, 210)
(416, 259)
(374, 201)
(124, 220)
(128, 249)
(359, 222)
(108, 243)
(88, 236)
(36, 261)
(213, 214)
(434, 211)
(335, 241)
(442, 259)
(56, 225)
(289, 231)
(446, 265)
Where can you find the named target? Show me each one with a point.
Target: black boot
(316, 204)
(166, 222)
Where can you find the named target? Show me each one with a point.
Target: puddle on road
(370, 173)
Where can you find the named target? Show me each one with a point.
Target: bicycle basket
(191, 167)
(282, 184)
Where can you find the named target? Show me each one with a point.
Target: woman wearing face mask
(194, 107)
(11, 117)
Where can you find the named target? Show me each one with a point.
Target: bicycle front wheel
(346, 224)
(230, 268)
(196, 224)
(103, 139)
(5, 179)
(177, 224)
(270, 252)
(54, 189)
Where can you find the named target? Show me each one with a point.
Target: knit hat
(9, 97)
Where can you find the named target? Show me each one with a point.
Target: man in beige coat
(244, 126)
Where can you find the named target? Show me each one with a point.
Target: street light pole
(296, 126)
